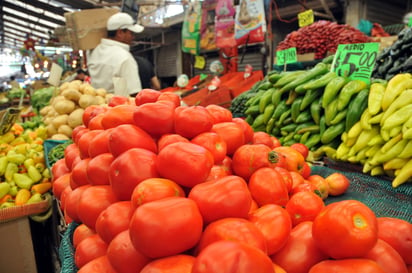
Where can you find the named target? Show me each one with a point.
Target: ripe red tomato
(300, 251)
(187, 164)
(267, 187)
(129, 169)
(98, 265)
(338, 183)
(155, 118)
(99, 144)
(191, 121)
(225, 197)
(350, 225)
(167, 139)
(72, 200)
(165, 227)
(247, 129)
(306, 170)
(146, 95)
(63, 197)
(60, 184)
(287, 177)
(250, 157)
(294, 159)
(301, 148)
(152, 189)
(387, 257)
(297, 179)
(219, 113)
(92, 111)
(78, 130)
(232, 133)
(218, 171)
(79, 174)
(123, 256)
(118, 115)
(80, 233)
(321, 185)
(113, 220)
(304, 186)
(214, 143)
(89, 249)
(304, 206)
(92, 202)
(263, 138)
(276, 143)
(169, 97)
(347, 266)
(181, 263)
(397, 233)
(127, 136)
(232, 229)
(274, 223)
(117, 100)
(231, 256)
(58, 169)
(97, 169)
(70, 153)
(96, 122)
(84, 142)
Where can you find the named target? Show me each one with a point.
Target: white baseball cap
(123, 20)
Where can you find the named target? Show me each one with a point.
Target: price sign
(200, 62)
(286, 56)
(7, 119)
(306, 18)
(355, 61)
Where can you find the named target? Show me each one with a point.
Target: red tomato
(96, 122)
(60, 184)
(78, 130)
(118, 100)
(321, 185)
(274, 223)
(79, 174)
(80, 233)
(387, 257)
(98, 265)
(300, 251)
(89, 249)
(251, 157)
(347, 266)
(97, 169)
(181, 263)
(146, 95)
(92, 202)
(155, 118)
(59, 168)
(267, 187)
(350, 225)
(92, 111)
(303, 187)
(233, 229)
(187, 164)
(287, 177)
(276, 143)
(127, 136)
(218, 171)
(129, 169)
(168, 139)
(118, 115)
(232, 133)
(169, 96)
(71, 202)
(113, 220)
(219, 113)
(214, 143)
(231, 256)
(225, 197)
(70, 153)
(297, 179)
(306, 170)
(304, 206)
(301, 148)
(191, 121)
(247, 129)
(397, 233)
(99, 144)
(166, 227)
(63, 197)
(294, 159)
(263, 138)
(123, 256)
(152, 189)
(338, 183)
(84, 142)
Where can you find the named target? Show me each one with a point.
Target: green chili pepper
(399, 117)
(315, 109)
(281, 108)
(318, 69)
(268, 112)
(276, 97)
(266, 99)
(356, 108)
(289, 128)
(320, 82)
(313, 140)
(332, 89)
(331, 111)
(309, 97)
(332, 132)
(304, 116)
(376, 92)
(289, 78)
(351, 88)
(296, 108)
(252, 110)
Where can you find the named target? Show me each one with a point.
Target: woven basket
(12, 213)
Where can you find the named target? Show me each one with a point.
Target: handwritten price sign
(306, 18)
(356, 61)
(286, 56)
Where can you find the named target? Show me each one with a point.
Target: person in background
(147, 74)
(112, 59)
(82, 75)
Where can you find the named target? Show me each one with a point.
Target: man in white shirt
(111, 61)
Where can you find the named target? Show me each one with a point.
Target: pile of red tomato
(160, 187)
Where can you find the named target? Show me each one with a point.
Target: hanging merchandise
(207, 30)
(250, 24)
(191, 28)
(225, 24)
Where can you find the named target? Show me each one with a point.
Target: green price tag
(306, 18)
(356, 61)
(410, 22)
(286, 56)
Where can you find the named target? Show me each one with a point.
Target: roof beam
(76, 4)
(44, 6)
(26, 25)
(18, 33)
(27, 31)
(28, 20)
(32, 13)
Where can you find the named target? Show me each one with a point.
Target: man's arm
(155, 82)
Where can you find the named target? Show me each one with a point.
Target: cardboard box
(85, 28)
(61, 34)
(18, 253)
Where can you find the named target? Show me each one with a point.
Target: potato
(101, 92)
(65, 130)
(87, 100)
(75, 118)
(59, 137)
(89, 90)
(64, 86)
(71, 94)
(56, 99)
(60, 120)
(64, 106)
(45, 110)
(51, 130)
(100, 100)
